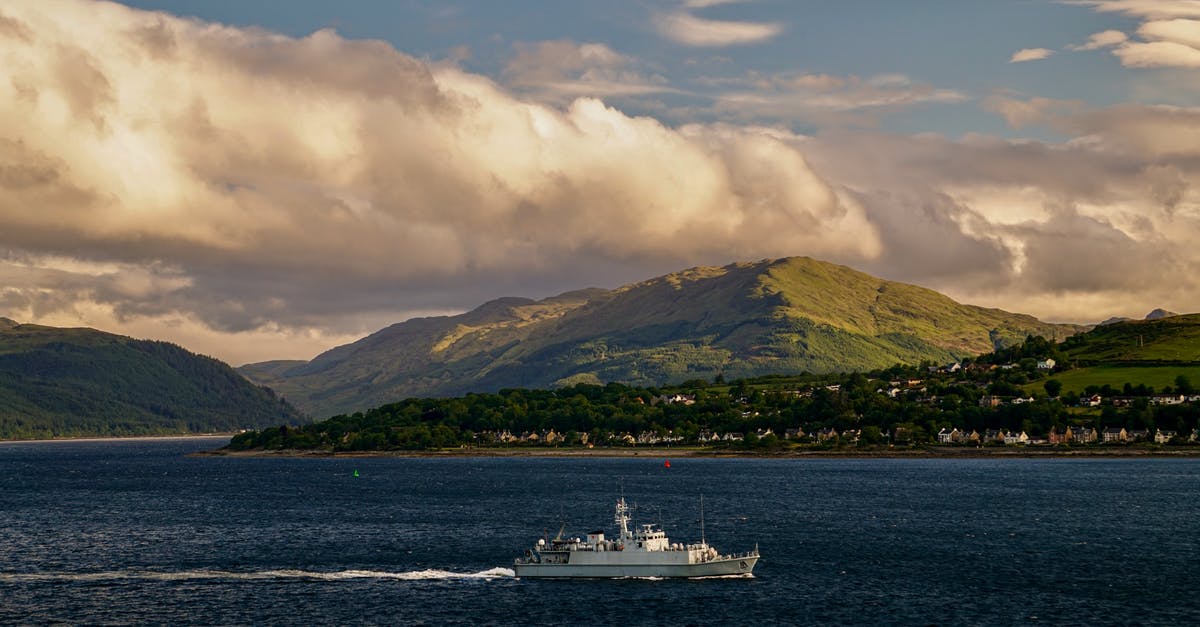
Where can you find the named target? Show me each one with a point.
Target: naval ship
(643, 552)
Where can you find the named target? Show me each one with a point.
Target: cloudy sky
(263, 179)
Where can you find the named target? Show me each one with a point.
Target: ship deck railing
(738, 556)
(587, 548)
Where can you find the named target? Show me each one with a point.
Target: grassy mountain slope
(1153, 352)
(81, 382)
(1172, 339)
(740, 320)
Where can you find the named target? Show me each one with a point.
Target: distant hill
(741, 320)
(82, 382)
(1159, 314)
(1170, 339)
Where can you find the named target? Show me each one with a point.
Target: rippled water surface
(135, 532)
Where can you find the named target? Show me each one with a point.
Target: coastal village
(1070, 435)
(996, 437)
(1036, 394)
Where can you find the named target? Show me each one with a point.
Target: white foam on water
(733, 576)
(186, 575)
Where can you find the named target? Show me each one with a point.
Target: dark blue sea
(136, 532)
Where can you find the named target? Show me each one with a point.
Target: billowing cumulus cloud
(1104, 221)
(256, 196)
(264, 182)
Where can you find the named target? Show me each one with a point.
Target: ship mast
(621, 518)
(702, 541)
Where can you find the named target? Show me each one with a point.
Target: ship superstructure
(643, 551)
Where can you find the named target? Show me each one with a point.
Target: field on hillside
(1117, 376)
(1170, 339)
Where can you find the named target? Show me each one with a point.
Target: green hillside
(1152, 352)
(1156, 377)
(1165, 340)
(741, 320)
(81, 382)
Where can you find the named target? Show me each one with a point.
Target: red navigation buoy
(667, 464)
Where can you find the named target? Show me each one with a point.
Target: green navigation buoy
(355, 472)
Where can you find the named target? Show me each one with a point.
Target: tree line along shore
(985, 400)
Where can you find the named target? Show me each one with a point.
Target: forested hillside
(81, 382)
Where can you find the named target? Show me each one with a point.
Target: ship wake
(281, 574)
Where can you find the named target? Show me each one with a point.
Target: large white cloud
(253, 195)
(281, 182)
(1106, 222)
(1171, 32)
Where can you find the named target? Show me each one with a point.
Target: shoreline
(131, 438)
(669, 453)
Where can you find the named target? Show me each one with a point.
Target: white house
(1016, 438)
(1162, 437)
(948, 436)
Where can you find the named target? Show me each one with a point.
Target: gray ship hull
(643, 552)
(616, 569)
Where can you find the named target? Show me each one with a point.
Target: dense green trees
(863, 404)
(901, 405)
(1053, 387)
(80, 382)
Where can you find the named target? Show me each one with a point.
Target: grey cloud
(156, 38)
(22, 169)
(925, 240)
(1154, 131)
(11, 27)
(559, 71)
(1010, 222)
(322, 61)
(1168, 184)
(84, 85)
(924, 163)
(822, 98)
(1074, 253)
